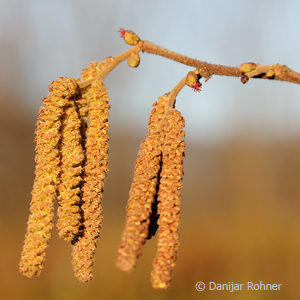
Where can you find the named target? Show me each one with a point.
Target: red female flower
(122, 32)
(197, 87)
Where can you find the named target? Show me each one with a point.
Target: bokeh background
(240, 202)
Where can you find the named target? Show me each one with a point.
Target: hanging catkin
(95, 170)
(169, 199)
(142, 191)
(72, 157)
(88, 73)
(47, 172)
(74, 125)
(94, 68)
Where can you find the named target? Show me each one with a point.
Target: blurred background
(240, 202)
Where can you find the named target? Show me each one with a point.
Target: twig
(112, 62)
(271, 72)
(171, 102)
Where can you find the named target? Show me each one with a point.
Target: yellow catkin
(47, 172)
(90, 72)
(93, 69)
(169, 199)
(72, 157)
(95, 170)
(142, 191)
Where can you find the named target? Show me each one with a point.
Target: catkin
(169, 199)
(90, 72)
(72, 157)
(142, 192)
(47, 172)
(93, 69)
(95, 170)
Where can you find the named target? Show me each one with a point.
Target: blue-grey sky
(42, 40)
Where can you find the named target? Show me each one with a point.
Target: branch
(280, 72)
(205, 69)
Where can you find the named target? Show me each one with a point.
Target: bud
(244, 79)
(191, 79)
(270, 73)
(247, 67)
(131, 38)
(133, 60)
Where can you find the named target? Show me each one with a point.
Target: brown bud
(244, 79)
(133, 60)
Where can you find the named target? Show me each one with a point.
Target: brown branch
(205, 69)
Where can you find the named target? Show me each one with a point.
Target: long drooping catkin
(169, 199)
(95, 170)
(72, 157)
(47, 171)
(142, 191)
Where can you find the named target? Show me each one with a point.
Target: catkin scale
(95, 169)
(40, 221)
(142, 191)
(169, 200)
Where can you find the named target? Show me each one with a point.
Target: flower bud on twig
(133, 60)
(129, 36)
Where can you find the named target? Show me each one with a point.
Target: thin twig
(205, 69)
(171, 102)
(112, 62)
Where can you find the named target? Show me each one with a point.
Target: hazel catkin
(47, 172)
(93, 69)
(95, 169)
(142, 191)
(169, 199)
(72, 157)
